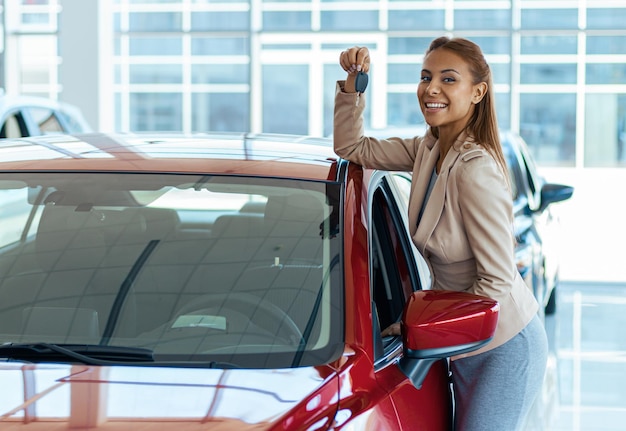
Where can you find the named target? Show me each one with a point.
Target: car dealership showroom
(203, 227)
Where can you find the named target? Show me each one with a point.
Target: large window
(548, 124)
(605, 130)
(285, 104)
(156, 111)
(537, 67)
(220, 112)
(403, 110)
(196, 65)
(182, 66)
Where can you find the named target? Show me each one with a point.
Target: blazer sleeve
(487, 213)
(392, 154)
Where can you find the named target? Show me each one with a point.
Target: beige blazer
(466, 231)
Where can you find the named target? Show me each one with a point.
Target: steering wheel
(257, 310)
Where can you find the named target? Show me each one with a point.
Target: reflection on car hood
(51, 397)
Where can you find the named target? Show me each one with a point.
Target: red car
(218, 282)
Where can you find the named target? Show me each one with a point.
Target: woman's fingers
(393, 329)
(355, 59)
(363, 60)
(344, 61)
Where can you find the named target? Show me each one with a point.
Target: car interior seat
(71, 298)
(287, 269)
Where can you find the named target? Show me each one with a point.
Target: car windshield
(196, 269)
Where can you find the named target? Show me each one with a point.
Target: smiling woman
(460, 217)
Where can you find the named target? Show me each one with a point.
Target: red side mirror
(438, 324)
(435, 319)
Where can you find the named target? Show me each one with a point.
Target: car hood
(50, 397)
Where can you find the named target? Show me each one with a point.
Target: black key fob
(360, 82)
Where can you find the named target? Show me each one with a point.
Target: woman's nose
(433, 88)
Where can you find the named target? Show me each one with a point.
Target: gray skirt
(495, 390)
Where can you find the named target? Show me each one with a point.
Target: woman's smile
(435, 106)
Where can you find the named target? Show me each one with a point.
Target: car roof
(228, 153)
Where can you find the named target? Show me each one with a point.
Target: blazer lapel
(434, 206)
(420, 181)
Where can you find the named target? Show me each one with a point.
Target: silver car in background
(22, 116)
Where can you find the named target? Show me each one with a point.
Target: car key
(360, 84)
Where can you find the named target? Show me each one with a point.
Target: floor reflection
(585, 388)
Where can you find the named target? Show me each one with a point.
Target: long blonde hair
(484, 123)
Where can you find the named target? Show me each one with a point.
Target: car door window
(71, 121)
(394, 273)
(14, 126)
(402, 180)
(386, 267)
(46, 120)
(531, 177)
(400, 183)
(513, 169)
(530, 169)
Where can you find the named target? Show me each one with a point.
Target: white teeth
(436, 105)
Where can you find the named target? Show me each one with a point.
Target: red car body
(404, 386)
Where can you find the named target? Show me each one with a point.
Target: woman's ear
(480, 90)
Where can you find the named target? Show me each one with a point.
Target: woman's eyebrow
(443, 71)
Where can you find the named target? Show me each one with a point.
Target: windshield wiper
(89, 354)
(95, 354)
(116, 308)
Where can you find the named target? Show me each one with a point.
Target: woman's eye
(448, 79)
(425, 78)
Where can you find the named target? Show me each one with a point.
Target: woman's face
(446, 92)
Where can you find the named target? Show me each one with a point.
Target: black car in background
(537, 228)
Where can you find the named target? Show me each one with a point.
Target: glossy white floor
(585, 387)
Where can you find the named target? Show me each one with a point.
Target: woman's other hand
(392, 330)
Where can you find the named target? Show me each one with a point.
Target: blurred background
(271, 65)
(196, 65)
